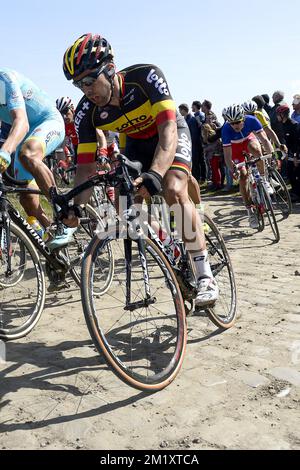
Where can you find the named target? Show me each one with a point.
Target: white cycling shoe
(253, 222)
(62, 238)
(207, 292)
(268, 188)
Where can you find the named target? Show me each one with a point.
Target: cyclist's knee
(31, 153)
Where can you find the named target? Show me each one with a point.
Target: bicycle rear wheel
(76, 248)
(281, 198)
(223, 313)
(143, 344)
(22, 292)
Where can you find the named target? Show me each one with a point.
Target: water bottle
(256, 174)
(35, 225)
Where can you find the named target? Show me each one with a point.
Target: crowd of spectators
(208, 161)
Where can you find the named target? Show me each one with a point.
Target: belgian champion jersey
(145, 103)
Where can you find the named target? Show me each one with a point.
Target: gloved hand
(4, 160)
(151, 181)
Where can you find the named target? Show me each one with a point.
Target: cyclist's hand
(103, 163)
(150, 183)
(283, 148)
(4, 160)
(235, 173)
(142, 191)
(72, 220)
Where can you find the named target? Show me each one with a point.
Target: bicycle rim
(22, 293)
(223, 313)
(145, 347)
(269, 212)
(281, 198)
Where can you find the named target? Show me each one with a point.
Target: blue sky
(225, 51)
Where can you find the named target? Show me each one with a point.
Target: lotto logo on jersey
(158, 82)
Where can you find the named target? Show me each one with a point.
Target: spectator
(210, 117)
(213, 153)
(296, 107)
(259, 100)
(278, 97)
(197, 150)
(198, 114)
(267, 106)
(291, 131)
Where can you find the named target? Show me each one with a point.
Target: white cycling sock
(202, 265)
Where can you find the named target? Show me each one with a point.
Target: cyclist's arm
(18, 131)
(101, 139)
(228, 157)
(264, 141)
(166, 147)
(272, 136)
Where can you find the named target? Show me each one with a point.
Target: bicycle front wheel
(142, 341)
(223, 313)
(22, 291)
(281, 198)
(269, 211)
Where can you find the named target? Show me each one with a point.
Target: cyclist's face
(99, 91)
(69, 116)
(238, 125)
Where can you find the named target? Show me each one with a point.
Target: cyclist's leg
(40, 141)
(30, 202)
(188, 221)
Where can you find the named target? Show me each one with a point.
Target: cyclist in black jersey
(136, 103)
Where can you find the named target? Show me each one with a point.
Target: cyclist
(238, 135)
(250, 108)
(67, 109)
(136, 102)
(36, 130)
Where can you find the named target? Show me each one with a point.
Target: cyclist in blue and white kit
(244, 133)
(37, 129)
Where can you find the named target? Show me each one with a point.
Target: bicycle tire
(144, 352)
(19, 310)
(269, 211)
(258, 210)
(281, 198)
(223, 313)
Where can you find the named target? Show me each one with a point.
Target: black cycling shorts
(143, 151)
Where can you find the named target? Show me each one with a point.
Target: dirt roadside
(237, 390)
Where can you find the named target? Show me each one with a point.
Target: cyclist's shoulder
(83, 114)
(8, 75)
(260, 116)
(84, 107)
(252, 122)
(142, 73)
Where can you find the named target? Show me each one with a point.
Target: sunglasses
(89, 79)
(236, 122)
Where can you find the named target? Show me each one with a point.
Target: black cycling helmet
(88, 52)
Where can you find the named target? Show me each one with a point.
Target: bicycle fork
(130, 217)
(5, 240)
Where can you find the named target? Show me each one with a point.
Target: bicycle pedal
(200, 312)
(53, 287)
